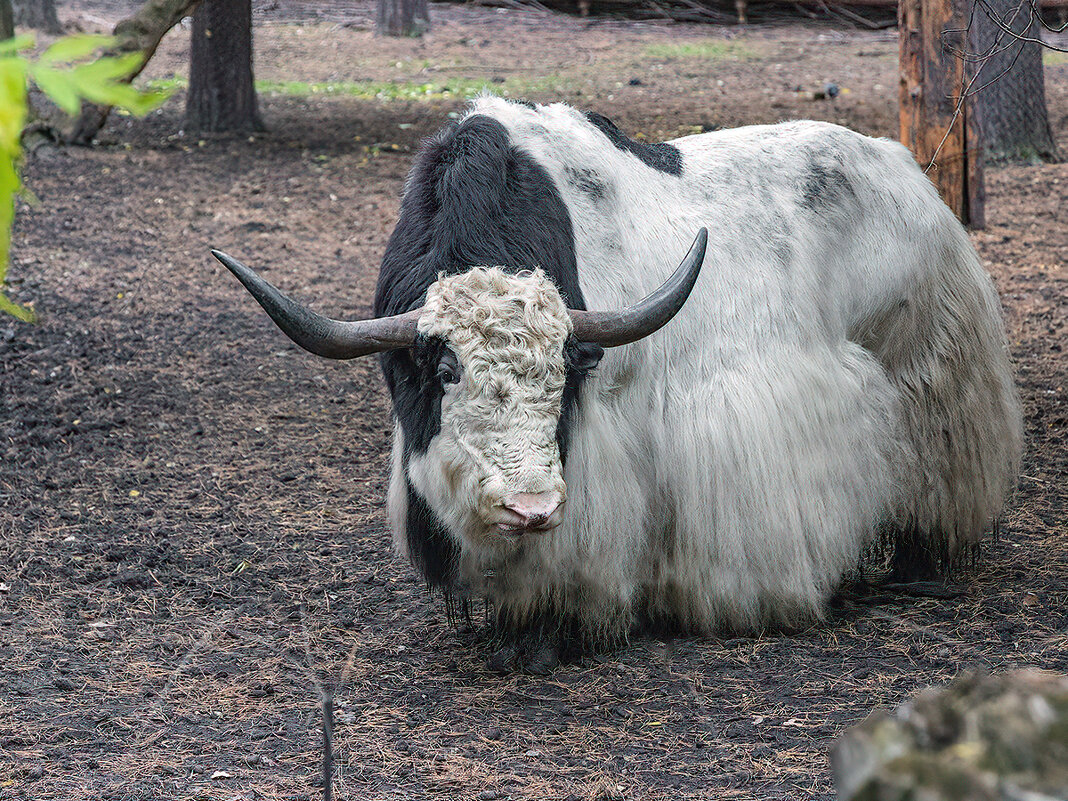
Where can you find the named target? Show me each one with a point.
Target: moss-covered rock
(981, 738)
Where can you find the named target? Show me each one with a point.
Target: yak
(589, 447)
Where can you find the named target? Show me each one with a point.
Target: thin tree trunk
(1011, 96)
(403, 17)
(37, 14)
(141, 32)
(222, 93)
(7, 20)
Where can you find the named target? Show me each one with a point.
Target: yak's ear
(582, 356)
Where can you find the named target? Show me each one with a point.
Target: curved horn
(322, 336)
(613, 328)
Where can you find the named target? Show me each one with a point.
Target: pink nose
(535, 509)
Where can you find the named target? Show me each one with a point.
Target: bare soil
(192, 532)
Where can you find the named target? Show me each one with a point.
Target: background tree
(935, 110)
(37, 14)
(1010, 89)
(402, 17)
(972, 89)
(222, 94)
(7, 20)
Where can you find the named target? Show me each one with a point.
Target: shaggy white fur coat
(840, 371)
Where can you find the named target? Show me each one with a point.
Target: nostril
(534, 508)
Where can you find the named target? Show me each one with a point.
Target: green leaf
(9, 47)
(75, 48)
(102, 82)
(107, 68)
(15, 310)
(12, 108)
(58, 86)
(9, 184)
(138, 102)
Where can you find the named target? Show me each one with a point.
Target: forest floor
(192, 532)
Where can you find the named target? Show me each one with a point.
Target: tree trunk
(936, 122)
(222, 95)
(37, 14)
(141, 32)
(1011, 97)
(7, 21)
(403, 17)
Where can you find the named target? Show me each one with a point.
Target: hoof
(538, 661)
(504, 662)
(543, 661)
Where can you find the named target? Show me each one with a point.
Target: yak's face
(496, 365)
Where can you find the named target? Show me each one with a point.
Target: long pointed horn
(322, 336)
(613, 328)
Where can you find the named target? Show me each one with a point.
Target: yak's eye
(448, 369)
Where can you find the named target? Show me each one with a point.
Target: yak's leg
(944, 349)
(534, 647)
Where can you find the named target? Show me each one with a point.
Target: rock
(981, 738)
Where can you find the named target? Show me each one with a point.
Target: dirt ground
(192, 531)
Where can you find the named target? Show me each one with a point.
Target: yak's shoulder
(792, 146)
(561, 133)
(814, 166)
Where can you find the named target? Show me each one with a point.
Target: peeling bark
(936, 124)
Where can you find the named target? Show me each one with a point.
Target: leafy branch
(68, 74)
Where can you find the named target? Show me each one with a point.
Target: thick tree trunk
(37, 14)
(403, 17)
(936, 123)
(141, 32)
(1011, 103)
(222, 94)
